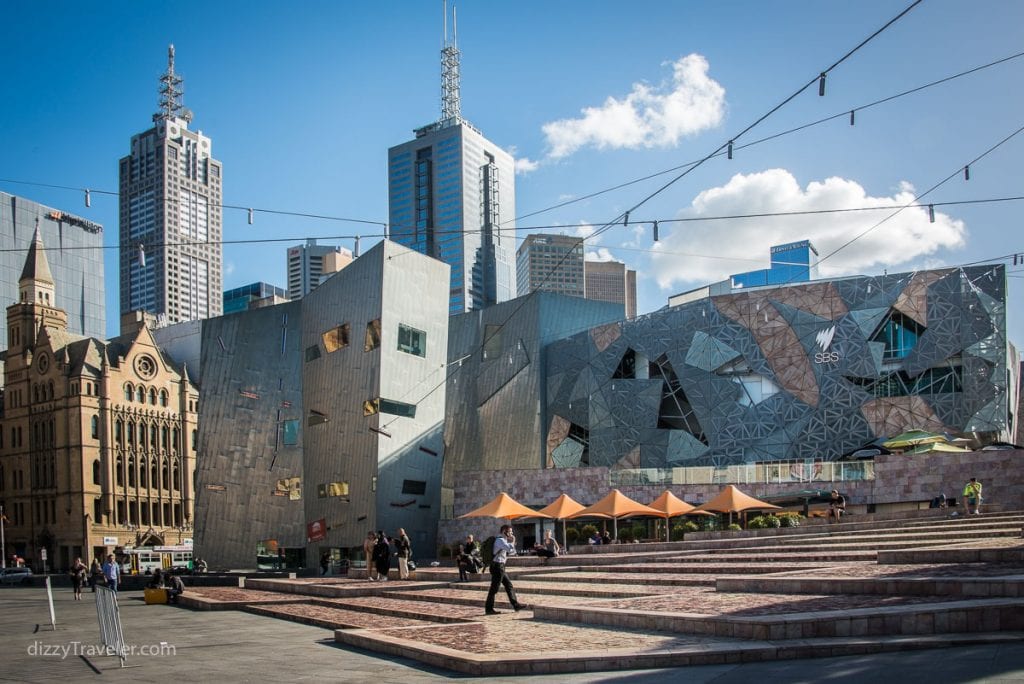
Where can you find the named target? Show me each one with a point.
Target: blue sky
(302, 100)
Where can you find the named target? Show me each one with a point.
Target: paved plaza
(232, 646)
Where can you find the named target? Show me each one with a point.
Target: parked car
(13, 576)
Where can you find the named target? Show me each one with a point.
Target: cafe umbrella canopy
(561, 509)
(616, 505)
(732, 500)
(670, 506)
(504, 506)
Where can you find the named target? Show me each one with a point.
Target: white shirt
(502, 550)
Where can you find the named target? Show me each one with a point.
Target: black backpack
(487, 549)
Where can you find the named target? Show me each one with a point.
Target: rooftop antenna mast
(171, 93)
(451, 104)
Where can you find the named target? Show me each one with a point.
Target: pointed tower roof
(36, 265)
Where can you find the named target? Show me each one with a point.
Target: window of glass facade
(900, 335)
(336, 338)
(372, 340)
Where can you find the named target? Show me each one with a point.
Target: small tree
(789, 519)
(588, 531)
(571, 535)
(733, 527)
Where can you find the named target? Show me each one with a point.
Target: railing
(772, 472)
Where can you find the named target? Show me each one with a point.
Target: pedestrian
(368, 544)
(382, 556)
(95, 574)
(605, 537)
(404, 552)
(325, 561)
(464, 562)
(836, 506)
(78, 574)
(111, 573)
(504, 546)
(175, 588)
(972, 496)
(548, 548)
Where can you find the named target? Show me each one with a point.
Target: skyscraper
(552, 263)
(74, 251)
(611, 281)
(170, 215)
(311, 264)
(451, 195)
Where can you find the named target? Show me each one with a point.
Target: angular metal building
(324, 417)
(812, 370)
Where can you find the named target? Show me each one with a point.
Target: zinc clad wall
(415, 295)
(251, 388)
(338, 445)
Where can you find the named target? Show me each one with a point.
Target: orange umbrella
(504, 506)
(616, 505)
(669, 505)
(731, 499)
(560, 509)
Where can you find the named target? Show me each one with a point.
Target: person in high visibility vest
(972, 496)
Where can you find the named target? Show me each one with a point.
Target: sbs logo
(824, 339)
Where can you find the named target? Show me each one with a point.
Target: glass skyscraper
(170, 216)
(451, 195)
(74, 250)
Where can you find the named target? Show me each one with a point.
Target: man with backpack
(504, 546)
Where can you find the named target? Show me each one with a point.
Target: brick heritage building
(97, 437)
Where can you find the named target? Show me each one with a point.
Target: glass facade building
(552, 263)
(451, 195)
(795, 262)
(252, 296)
(74, 250)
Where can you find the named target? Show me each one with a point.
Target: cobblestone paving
(339, 618)
(917, 570)
(668, 578)
(235, 595)
(412, 605)
(710, 602)
(476, 598)
(498, 635)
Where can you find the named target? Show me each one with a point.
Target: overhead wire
(624, 216)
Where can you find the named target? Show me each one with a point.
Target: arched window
(163, 398)
(142, 436)
(141, 394)
(131, 434)
(152, 396)
(88, 388)
(143, 473)
(154, 479)
(96, 478)
(152, 437)
(131, 471)
(176, 440)
(51, 389)
(95, 423)
(177, 478)
(195, 436)
(119, 433)
(35, 393)
(163, 437)
(129, 392)
(167, 476)
(120, 472)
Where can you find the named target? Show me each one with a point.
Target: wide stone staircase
(850, 588)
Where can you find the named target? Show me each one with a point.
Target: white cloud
(739, 245)
(585, 230)
(525, 165)
(647, 116)
(601, 254)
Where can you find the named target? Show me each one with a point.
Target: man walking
(404, 552)
(504, 546)
(972, 496)
(111, 572)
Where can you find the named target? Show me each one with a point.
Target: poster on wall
(316, 530)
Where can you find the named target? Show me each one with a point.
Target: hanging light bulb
(250, 217)
(967, 172)
(625, 221)
(852, 112)
(88, 198)
(821, 85)
(655, 231)
(931, 213)
(729, 151)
